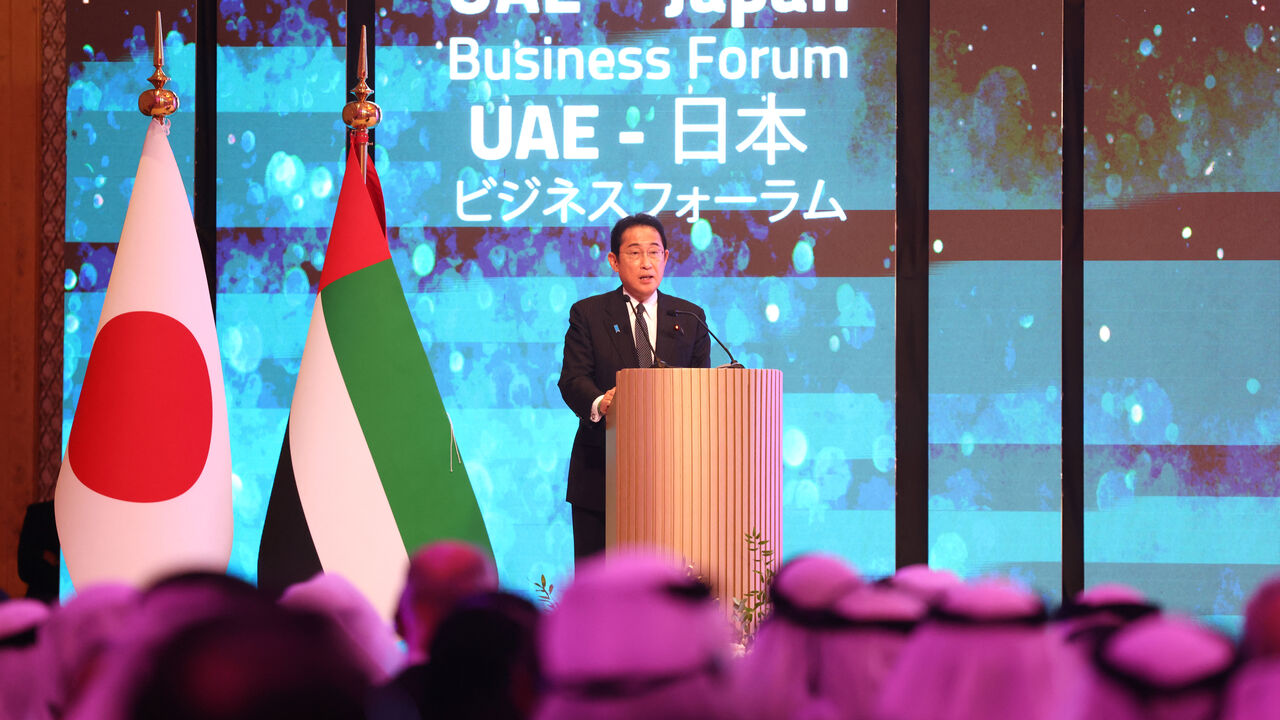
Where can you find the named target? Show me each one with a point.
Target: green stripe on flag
(389, 380)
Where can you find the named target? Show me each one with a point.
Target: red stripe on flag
(352, 246)
(143, 426)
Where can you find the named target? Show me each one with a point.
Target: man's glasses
(634, 255)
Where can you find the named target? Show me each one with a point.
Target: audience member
(983, 653)
(923, 581)
(441, 574)
(1262, 621)
(20, 621)
(1160, 667)
(827, 646)
(634, 637)
(73, 640)
(484, 661)
(166, 608)
(372, 639)
(1254, 692)
(266, 664)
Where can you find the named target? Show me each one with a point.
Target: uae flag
(145, 486)
(368, 470)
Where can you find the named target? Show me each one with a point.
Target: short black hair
(626, 223)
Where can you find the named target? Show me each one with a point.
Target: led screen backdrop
(1182, 300)
(502, 178)
(513, 140)
(995, 411)
(764, 142)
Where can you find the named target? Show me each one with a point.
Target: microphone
(732, 363)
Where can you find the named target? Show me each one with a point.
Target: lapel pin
(615, 328)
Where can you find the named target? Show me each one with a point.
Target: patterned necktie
(644, 350)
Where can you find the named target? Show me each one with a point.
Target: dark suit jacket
(593, 354)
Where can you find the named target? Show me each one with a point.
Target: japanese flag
(145, 486)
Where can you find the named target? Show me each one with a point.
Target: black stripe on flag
(287, 554)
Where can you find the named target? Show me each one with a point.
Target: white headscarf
(984, 653)
(827, 646)
(374, 642)
(634, 637)
(20, 621)
(1160, 667)
(74, 638)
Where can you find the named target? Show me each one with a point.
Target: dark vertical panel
(912, 286)
(1072, 297)
(362, 13)
(205, 192)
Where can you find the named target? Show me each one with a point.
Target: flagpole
(362, 114)
(158, 102)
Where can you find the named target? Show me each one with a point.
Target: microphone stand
(732, 363)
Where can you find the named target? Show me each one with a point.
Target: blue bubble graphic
(296, 285)
(1182, 102)
(883, 453)
(700, 234)
(321, 182)
(284, 174)
(1146, 127)
(424, 259)
(802, 255)
(950, 552)
(1145, 47)
(795, 446)
(1253, 36)
(1115, 185)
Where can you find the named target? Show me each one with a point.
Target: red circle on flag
(143, 426)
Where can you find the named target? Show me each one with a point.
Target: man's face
(640, 261)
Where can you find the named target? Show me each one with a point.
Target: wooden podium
(694, 463)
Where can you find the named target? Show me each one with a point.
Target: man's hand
(607, 401)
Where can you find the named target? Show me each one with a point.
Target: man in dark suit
(624, 328)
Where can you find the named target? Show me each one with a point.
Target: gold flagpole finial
(362, 114)
(158, 102)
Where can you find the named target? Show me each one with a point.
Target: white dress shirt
(651, 319)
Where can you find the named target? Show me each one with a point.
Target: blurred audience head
(1253, 693)
(74, 639)
(826, 647)
(1096, 611)
(924, 581)
(984, 652)
(1262, 621)
(265, 664)
(163, 610)
(20, 626)
(373, 640)
(634, 637)
(441, 574)
(484, 660)
(1160, 667)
